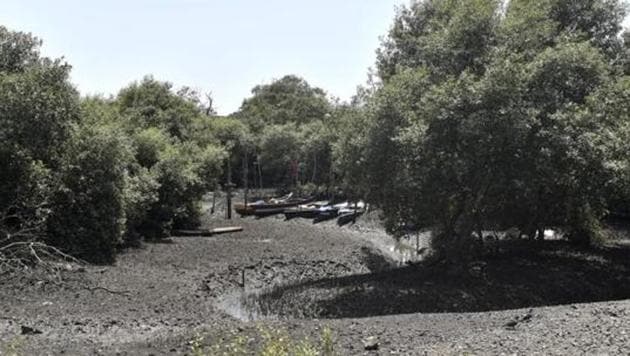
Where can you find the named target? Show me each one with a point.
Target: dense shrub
(140, 193)
(152, 104)
(88, 212)
(38, 106)
(149, 144)
(183, 174)
(25, 187)
(176, 158)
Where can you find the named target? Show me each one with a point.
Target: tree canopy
(289, 99)
(486, 117)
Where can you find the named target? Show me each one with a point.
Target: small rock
(511, 324)
(611, 313)
(527, 316)
(27, 330)
(370, 343)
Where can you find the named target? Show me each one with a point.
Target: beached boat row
(306, 208)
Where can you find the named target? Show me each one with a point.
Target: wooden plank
(188, 233)
(225, 230)
(206, 233)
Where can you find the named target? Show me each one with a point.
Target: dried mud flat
(301, 277)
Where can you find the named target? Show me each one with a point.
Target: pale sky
(223, 46)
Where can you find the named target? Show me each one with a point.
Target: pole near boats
(245, 173)
(214, 198)
(259, 168)
(229, 188)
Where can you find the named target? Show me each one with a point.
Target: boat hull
(307, 213)
(265, 209)
(347, 218)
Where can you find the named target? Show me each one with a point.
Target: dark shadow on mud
(374, 261)
(516, 275)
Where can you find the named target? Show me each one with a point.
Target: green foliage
(25, 188)
(563, 74)
(150, 144)
(229, 131)
(280, 147)
(515, 137)
(445, 36)
(88, 212)
(532, 25)
(99, 111)
(527, 27)
(327, 342)
(347, 150)
(608, 113)
(37, 108)
(152, 103)
(484, 116)
(316, 152)
(290, 123)
(18, 51)
(177, 155)
(183, 174)
(287, 100)
(596, 21)
(140, 194)
(208, 164)
(624, 59)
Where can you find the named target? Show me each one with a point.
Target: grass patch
(266, 342)
(13, 347)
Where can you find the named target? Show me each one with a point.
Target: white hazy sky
(223, 46)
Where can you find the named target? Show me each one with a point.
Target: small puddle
(404, 250)
(232, 304)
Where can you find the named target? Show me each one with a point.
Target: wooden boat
(268, 212)
(249, 209)
(319, 204)
(307, 211)
(300, 212)
(262, 207)
(326, 213)
(282, 199)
